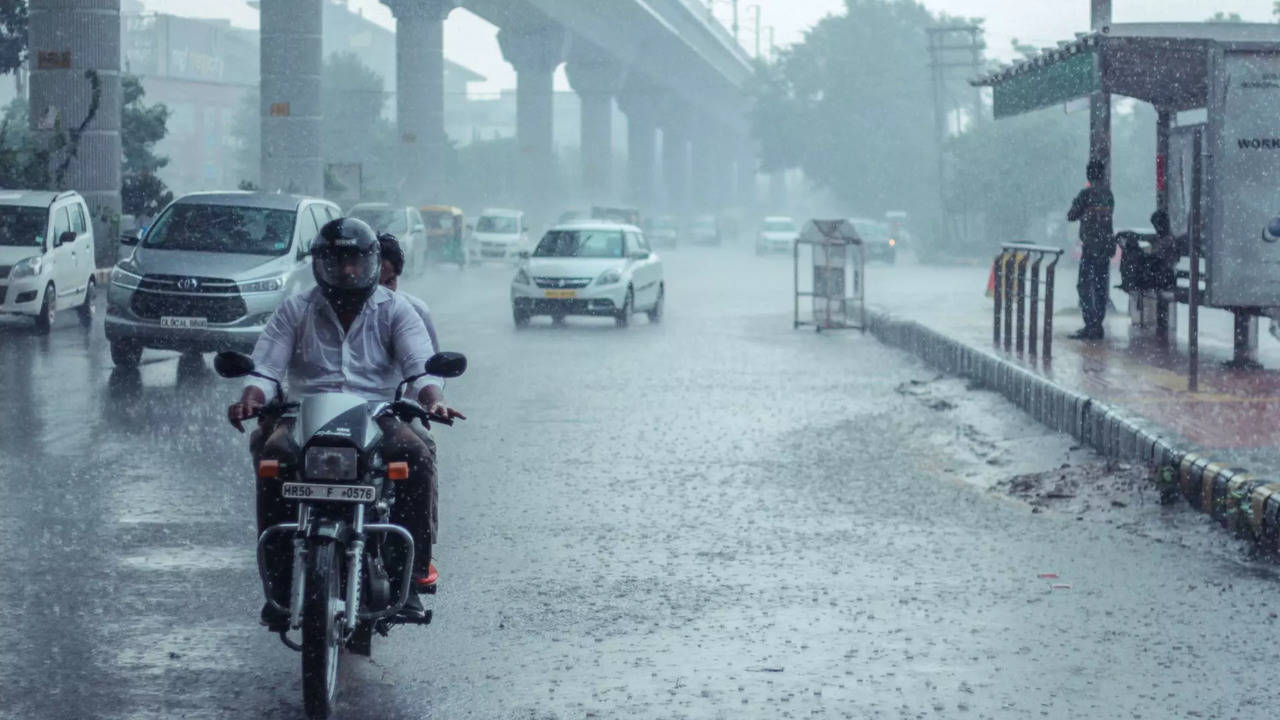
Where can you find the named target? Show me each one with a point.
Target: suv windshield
(581, 243)
(382, 219)
(779, 226)
(497, 224)
(22, 226)
(223, 228)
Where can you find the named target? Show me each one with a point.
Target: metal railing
(1014, 300)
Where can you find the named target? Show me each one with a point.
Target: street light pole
(735, 20)
(756, 8)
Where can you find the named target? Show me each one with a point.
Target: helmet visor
(347, 268)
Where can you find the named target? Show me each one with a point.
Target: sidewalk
(1127, 397)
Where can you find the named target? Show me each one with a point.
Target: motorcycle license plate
(327, 493)
(561, 294)
(183, 322)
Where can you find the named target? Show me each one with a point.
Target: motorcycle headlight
(330, 463)
(522, 277)
(27, 267)
(270, 284)
(609, 277)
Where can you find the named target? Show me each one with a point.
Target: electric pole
(945, 45)
(1100, 102)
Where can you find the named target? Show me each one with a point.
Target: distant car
(210, 271)
(404, 222)
(572, 215)
(879, 244)
(589, 268)
(704, 230)
(663, 230)
(500, 234)
(777, 234)
(46, 255)
(625, 215)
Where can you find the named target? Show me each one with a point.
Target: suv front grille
(565, 283)
(203, 285)
(216, 299)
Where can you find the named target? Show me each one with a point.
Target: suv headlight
(522, 277)
(609, 277)
(330, 463)
(27, 267)
(124, 278)
(270, 284)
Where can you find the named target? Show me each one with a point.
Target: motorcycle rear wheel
(321, 632)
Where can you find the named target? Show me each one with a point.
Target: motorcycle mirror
(230, 364)
(447, 364)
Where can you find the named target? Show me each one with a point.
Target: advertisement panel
(1243, 246)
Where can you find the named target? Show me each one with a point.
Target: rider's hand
(251, 400)
(440, 410)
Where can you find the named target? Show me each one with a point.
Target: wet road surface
(715, 517)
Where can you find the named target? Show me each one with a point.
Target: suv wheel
(125, 354)
(48, 310)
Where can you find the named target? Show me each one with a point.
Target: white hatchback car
(777, 234)
(500, 234)
(46, 255)
(594, 267)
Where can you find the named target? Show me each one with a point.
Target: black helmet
(346, 262)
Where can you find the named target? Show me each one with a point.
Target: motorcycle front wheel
(321, 632)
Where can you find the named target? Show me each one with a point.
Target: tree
(1222, 17)
(852, 106)
(142, 193)
(13, 35)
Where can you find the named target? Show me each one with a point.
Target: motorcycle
(344, 545)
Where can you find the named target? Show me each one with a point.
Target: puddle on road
(204, 559)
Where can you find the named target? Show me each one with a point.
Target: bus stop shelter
(1214, 169)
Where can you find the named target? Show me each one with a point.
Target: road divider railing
(1018, 296)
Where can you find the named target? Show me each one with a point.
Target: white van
(46, 255)
(500, 234)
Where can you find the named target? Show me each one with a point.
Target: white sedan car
(777, 234)
(589, 268)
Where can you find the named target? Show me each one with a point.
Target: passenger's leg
(413, 506)
(272, 508)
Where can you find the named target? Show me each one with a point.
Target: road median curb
(1247, 504)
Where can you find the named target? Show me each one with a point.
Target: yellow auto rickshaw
(446, 239)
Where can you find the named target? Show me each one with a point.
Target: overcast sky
(472, 42)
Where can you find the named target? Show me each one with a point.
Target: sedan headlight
(27, 267)
(522, 277)
(330, 463)
(609, 277)
(270, 284)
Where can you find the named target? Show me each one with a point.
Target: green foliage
(13, 35)
(142, 192)
(1222, 17)
(852, 106)
(32, 161)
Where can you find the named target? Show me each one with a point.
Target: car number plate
(561, 294)
(327, 493)
(184, 322)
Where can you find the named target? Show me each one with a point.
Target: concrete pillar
(291, 59)
(638, 101)
(596, 77)
(702, 142)
(1164, 122)
(747, 168)
(70, 41)
(535, 53)
(675, 164)
(420, 94)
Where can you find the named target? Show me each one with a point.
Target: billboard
(1242, 253)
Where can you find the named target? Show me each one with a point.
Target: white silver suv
(210, 271)
(46, 255)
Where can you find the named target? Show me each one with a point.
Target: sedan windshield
(22, 226)
(382, 219)
(581, 243)
(779, 226)
(222, 228)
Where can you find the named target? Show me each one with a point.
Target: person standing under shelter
(1093, 209)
